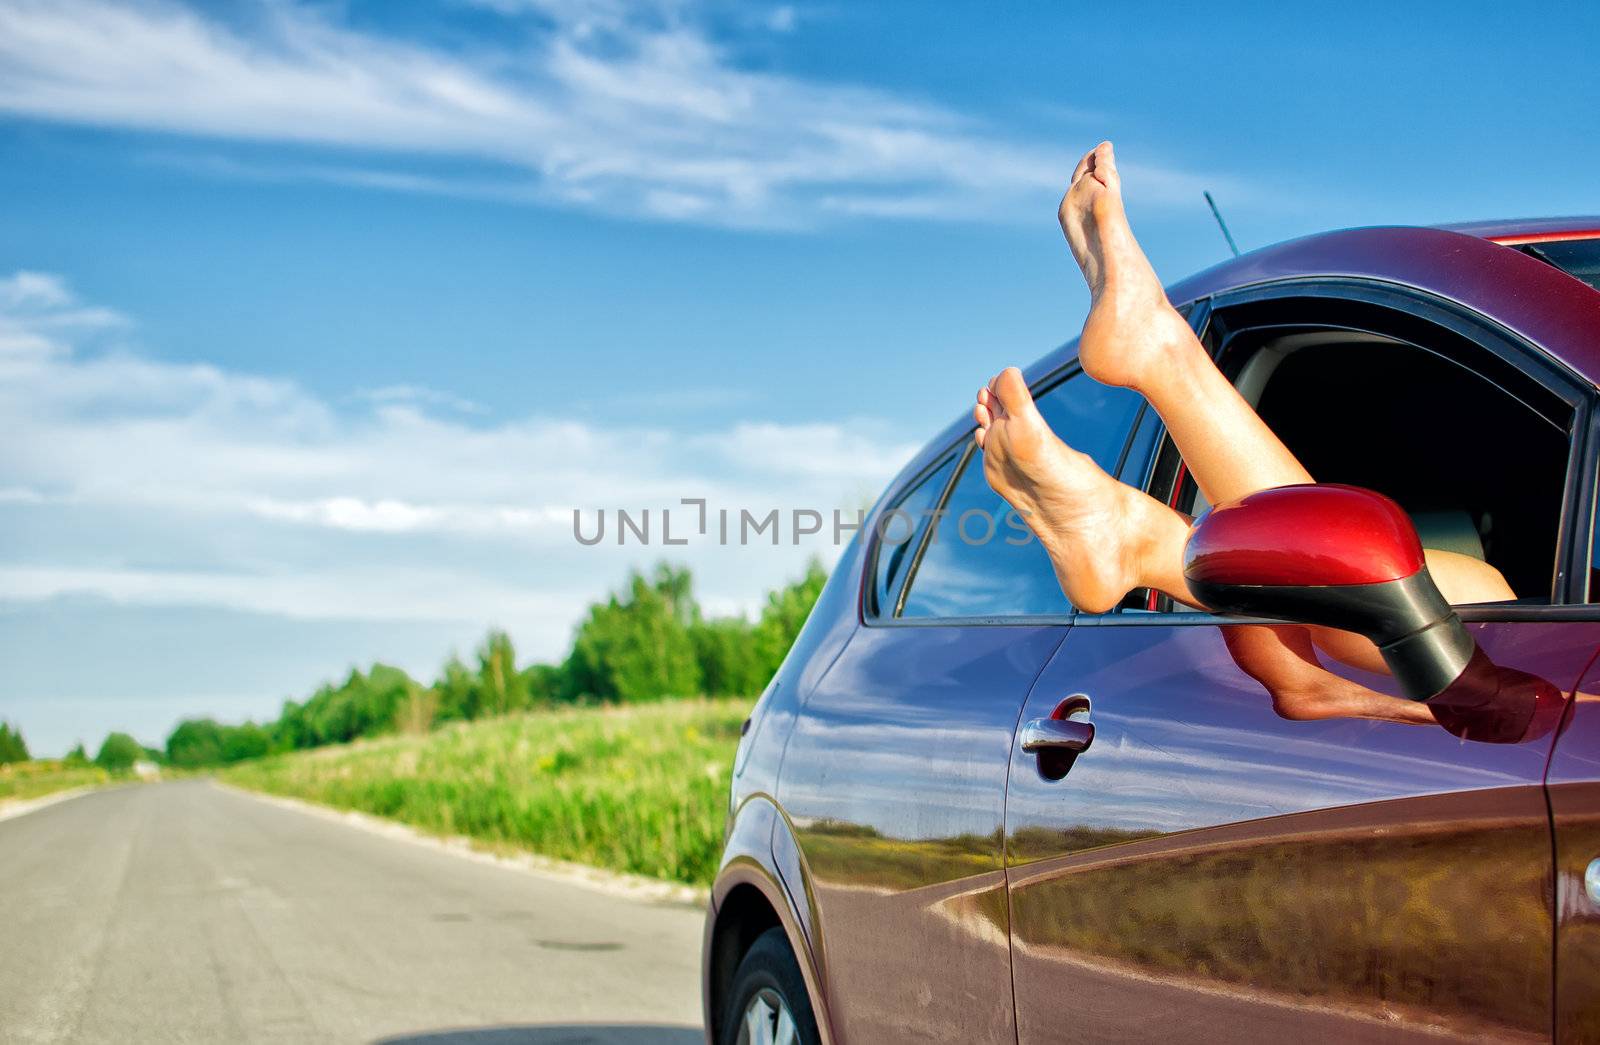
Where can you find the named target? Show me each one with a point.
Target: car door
(1574, 788)
(1216, 865)
(894, 778)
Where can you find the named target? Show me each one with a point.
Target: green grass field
(21, 780)
(635, 788)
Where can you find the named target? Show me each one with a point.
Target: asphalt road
(182, 912)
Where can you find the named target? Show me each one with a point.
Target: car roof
(1474, 264)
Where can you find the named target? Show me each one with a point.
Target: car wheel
(768, 1004)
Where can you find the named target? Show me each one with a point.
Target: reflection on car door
(1209, 870)
(895, 783)
(1575, 804)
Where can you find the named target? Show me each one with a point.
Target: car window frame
(871, 611)
(1043, 386)
(1581, 487)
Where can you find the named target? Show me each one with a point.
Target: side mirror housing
(1335, 556)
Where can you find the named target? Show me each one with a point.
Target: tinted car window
(1580, 258)
(901, 528)
(980, 559)
(1594, 548)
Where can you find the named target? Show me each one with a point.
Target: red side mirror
(1337, 556)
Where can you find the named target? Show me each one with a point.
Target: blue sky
(316, 320)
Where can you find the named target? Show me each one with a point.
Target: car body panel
(753, 818)
(895, 782)
(1574, 786)
(1212, 870)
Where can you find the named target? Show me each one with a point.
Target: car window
(1494, 499)
(980, 559)
(1580, 258)
(1594, 546)
(900, 530)
(1443, 419)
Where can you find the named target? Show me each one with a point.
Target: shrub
(118, 753)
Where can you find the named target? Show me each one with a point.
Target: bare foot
(1099, 533)
(1132, 332)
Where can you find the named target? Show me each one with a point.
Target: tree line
(648, 641)
(118, 752)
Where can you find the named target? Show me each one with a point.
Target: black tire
(769, 966)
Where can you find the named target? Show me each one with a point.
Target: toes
(1082, 168)
(981, 415)
(979, 436)
(1103, 164)
(987, 400)
(1012, 392)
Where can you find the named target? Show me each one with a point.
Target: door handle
(1058, 734)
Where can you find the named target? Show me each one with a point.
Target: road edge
(597, 879)
(13, 808)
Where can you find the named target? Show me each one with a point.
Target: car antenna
(1215, 213)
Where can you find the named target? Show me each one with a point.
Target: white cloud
(169, 484)
(412, 395)
(24, 289)
(631, 109)
(35, 311)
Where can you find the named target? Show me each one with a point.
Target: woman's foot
(1099, 533)
(1133, 334)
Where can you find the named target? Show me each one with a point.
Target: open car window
(1476, 456)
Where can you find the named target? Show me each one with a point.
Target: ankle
(1158, 558)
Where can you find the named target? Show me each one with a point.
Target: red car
(964, 812)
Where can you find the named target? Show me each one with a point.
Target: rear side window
(980, 560)
(902, 527)
(1580, 258)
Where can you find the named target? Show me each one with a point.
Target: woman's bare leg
(1282, 658)
(1134, 338)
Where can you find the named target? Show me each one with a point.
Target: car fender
(749, 860)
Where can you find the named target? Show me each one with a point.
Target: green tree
(730, 663)
(78, 756)
(365, 704)
(12, 747)
(246, 741)
(119, 752)
(195, 742)
(637, 646)
(501, 688)
(417, 713)
(290, 731)
(457, 691)
(547, 684)
(783, 617)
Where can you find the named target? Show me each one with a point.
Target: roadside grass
(39, 777)
(639, 788)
